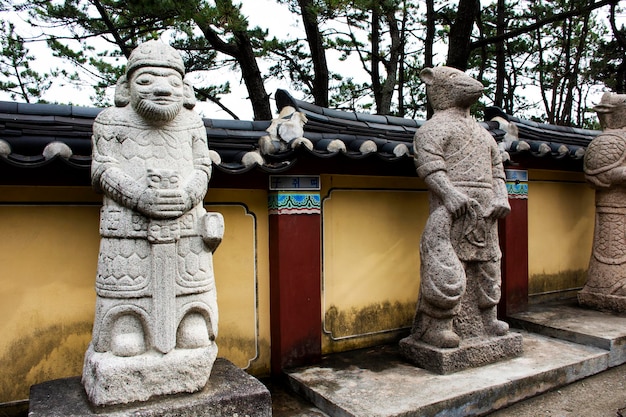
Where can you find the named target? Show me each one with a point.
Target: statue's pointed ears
(427, 75)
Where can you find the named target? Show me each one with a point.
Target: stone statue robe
(470, 158)
(130, 155)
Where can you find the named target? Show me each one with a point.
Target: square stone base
(229, 392)
(110, 379)
(471, 353)
(602, 302)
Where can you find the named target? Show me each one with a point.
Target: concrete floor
(571, 366)
(600, 395)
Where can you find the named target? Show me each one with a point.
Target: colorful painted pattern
(294, 203)
(517, 190)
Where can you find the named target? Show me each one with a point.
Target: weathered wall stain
(561, 281)
(58, 352)
(241, 351)
(375, 317)
(48, 353)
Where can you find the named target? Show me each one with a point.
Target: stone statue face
(448, 87)
(156, 93)
(612, 111)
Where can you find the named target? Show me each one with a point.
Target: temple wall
(560, 232)
(370, 233)
(371, 229)
(49, 251)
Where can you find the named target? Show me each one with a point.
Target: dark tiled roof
(48, 139)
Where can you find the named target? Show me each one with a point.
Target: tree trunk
(429, 40)
(375, 52)
(460, 34)
(241, 50)
(318, 53)
(401, 68)
(391, 65)
(498, 100)
(252, 77)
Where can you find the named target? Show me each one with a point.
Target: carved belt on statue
(124, 224)
(121, 223)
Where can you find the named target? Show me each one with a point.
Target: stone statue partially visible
(156, 308)
(605, 170)
(460, 258)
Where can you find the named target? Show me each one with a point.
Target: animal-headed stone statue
(460, 259)
(156, 307)
(605, 170)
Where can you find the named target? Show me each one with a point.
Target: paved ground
(601, 395)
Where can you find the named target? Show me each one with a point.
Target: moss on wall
(375, 317)
(561, 281)
(47, 353)
(373, 324)
(245, 353)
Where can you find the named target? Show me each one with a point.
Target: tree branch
(539, 23)
(112, 28)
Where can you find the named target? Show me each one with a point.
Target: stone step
(566, 320)
(379, 382)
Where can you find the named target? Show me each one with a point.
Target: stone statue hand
(498, 210)
(456, 202)
(162, 203)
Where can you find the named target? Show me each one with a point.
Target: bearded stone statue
(156, 309)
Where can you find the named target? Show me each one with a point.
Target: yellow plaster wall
(560, 231)
(48, 257)
(242, 277)
(371, 232)
(48, 254)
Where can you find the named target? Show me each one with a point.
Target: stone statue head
(448, 87)
(154, 83)
(612, 111)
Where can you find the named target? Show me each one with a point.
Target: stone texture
(460, 257)
(566, 320)
(156, 305)
(111, 379)
(230, 392)
(605, 170)
(470, 353)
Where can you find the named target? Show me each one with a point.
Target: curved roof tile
(27, 130)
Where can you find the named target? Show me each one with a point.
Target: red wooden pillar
(513, 231)
(295, 271)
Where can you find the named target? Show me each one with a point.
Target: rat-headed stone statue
(460, 258)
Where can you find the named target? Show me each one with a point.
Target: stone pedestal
(110, 379)
(471, 353)
(602, 302)
(229, 392)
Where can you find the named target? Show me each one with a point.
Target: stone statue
(460, 258)
(605, 170)
(156, 308)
